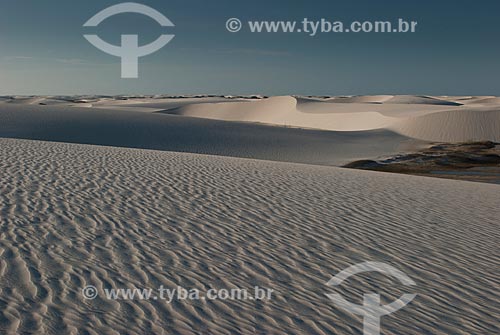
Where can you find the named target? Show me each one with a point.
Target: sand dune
(74, 215)
(415, 100)
(419, 117)
(465, 100)
(282, 111)
(274, 110)
(161, 103)
(25, 100)
(305, 99)
(125, 128)
(389, 110)
(425, 118)
(454, 126)
(363, 99)
(486, 101)
(110, 212)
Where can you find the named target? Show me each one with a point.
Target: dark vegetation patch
(474, 161)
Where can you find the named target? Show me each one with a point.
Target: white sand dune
(25, 100)
(124, 107)
(305, 99)
(416, 100)
(135, 129)
(363, 99)
(426, 118)
(284, 111)
(368, 99)
(465, 100)
(102, 213)
(420, 117)
(275, 110)
(389, 110)
(50, 101)
(77, 215)
(155, 103)
(486, 101)
(160, 103)
(454, 126)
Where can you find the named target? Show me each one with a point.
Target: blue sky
(455, 50)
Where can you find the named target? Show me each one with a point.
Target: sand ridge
(139, 129)
(419, 117)
(426, 118)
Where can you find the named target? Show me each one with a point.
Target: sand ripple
(73, 215)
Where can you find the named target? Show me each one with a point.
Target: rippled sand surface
(74, 215)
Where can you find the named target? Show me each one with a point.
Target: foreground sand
(74, 215)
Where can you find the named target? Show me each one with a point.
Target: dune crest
(283, 111)
(420, 117)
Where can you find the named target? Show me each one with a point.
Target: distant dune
(420, 117)
(416, 100)
(454, 126)
(283, 111)
(426, 118)
(485, 101)
(138, 129)
(362, 99)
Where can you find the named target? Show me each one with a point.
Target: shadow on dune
(184, 134)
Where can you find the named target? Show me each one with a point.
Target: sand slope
(362, 99)
(419, 99)
(282, 111)
(426, 118)
(74, 215)
(454, 126)
(420, 117)
(125, 128)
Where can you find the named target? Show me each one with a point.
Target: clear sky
(455, 51)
